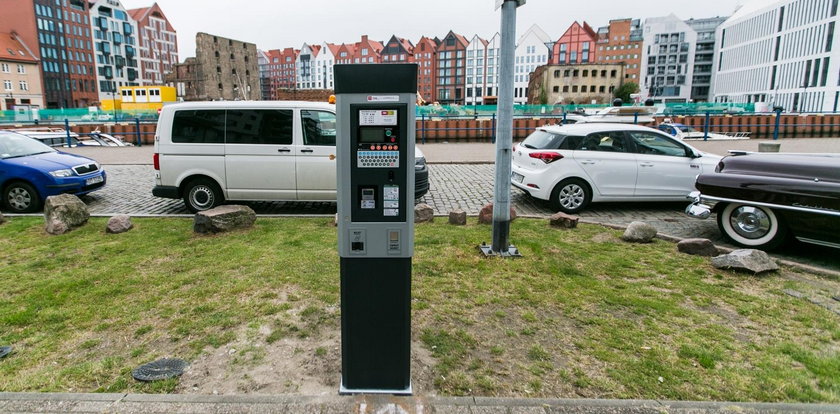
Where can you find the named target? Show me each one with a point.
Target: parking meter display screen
(368, 135)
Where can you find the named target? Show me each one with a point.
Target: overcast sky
(276, 24)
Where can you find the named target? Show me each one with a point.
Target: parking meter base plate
(342, 390)
(487, 251)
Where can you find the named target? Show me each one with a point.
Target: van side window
(199, 127)
(318, 128)
(259, 126)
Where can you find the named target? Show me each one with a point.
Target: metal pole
(778, 118)
(423, 128)
(67, 130)
(493, 127)
(706, 127)
(137, 128)
(635, 118)
(504, 132)
(564, 116)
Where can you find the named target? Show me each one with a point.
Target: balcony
(132, 74)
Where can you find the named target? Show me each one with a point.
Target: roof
(537, 31)
(754, 6)
(12, 48)
(333, 48)
(588, 128)
(138, 14)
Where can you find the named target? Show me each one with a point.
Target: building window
(583, 88)
(5, 68)
(565, 88)
(574, 88)
(23, 86)
(21, 69)
(556, 89)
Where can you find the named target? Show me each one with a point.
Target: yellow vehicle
(140, 98)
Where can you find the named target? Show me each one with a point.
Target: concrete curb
(364, 404)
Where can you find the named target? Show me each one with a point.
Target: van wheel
(202, 194)
(21, 197)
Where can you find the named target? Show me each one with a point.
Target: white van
(209, 152)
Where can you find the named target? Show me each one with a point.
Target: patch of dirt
(252, 366)
(295, 364)
(605, 237)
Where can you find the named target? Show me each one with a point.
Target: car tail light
(156, 161)
(546, 157)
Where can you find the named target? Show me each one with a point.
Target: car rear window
(540, 139)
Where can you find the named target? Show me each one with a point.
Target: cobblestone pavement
(465, 186)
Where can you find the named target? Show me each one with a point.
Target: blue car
(31, 171)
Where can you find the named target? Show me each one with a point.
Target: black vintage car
(763, 198)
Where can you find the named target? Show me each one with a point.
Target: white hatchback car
(573, 165)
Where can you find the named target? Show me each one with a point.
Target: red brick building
(425, 54)
(158, 44)
(576, 46)
(287, 77)
(368, 51)
(451, 65)
(59, 35)
(621, 42)
(345, 53)
(398, 50)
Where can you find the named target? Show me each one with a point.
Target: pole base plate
(487, 251)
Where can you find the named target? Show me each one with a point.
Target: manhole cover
(161, 369)
(5, 351)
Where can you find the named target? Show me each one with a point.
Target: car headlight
(61, 173)
(419, 163)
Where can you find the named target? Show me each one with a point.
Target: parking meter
(376, 133)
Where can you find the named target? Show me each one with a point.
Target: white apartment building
(115, 44)
(667, 59)
(532, 50)
(305, 67)
(780, 53)
(482, 70)
(324, 63)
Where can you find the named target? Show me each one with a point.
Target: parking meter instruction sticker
(378, 117)
(391, 200)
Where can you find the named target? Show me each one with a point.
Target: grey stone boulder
(224, 218)
(119, 224)
(746, 260)
(458, 217)
(639, 232)
(423, 213)
(563, 220)
(485, 216)
(698, 247)
(63, 213)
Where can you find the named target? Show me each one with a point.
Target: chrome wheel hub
(571, 196)
(750, 222)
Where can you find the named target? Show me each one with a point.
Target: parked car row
(760, 200)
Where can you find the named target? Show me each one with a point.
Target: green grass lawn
(582, 314)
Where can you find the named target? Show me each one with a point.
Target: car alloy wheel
(751, 226)
(571, 196)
